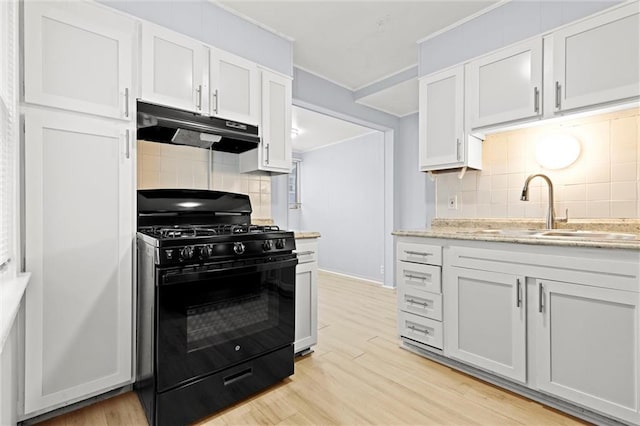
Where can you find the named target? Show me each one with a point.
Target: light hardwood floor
(357, 375)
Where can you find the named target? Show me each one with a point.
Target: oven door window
(208, 321)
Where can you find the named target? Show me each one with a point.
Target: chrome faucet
(551, 214)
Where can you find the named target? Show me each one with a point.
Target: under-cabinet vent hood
(168, 125)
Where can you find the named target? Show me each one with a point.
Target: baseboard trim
(354, 277)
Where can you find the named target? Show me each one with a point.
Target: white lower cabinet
(560, 323)
(79, 234)
(306, 295)
(486, 321)
(587, 347)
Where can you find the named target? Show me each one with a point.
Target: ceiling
(357, 43)
(317, 130)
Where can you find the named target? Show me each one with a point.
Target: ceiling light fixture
(557, 151)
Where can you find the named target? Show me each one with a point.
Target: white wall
(414, 191)
(343, 199)
(509, 23)
(205, 21)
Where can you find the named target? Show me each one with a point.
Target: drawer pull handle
(415, 277)
(415, 302)
(419, 330)
(305, 253)
(416, 253)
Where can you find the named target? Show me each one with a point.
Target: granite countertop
(467, 229)
(299, 235)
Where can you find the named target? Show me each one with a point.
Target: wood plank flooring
(357, 375)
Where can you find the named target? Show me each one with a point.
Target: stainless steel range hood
(168, 125)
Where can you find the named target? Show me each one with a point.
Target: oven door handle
(181, 276)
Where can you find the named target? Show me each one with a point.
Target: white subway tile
(624, 172)
(597, 209)
(598, 172)
(598, 192)
(624, 209)
(499, 182)
(624, 191)
(574, 193)
(577, 209)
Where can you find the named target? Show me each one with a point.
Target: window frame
(295, 188)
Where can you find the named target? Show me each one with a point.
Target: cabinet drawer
(421, 303)
(421, 277)
(420, 253)
(423, 330)
(306, 256)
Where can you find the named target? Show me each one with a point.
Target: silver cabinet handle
(418, 329)
(266, 147)
(458, 149)
(540, 297)
(304, 253)
(126, 102)
(214, 101)
(415, 302)
(518, 297)
(557, 94)
(536, 99)
(416, 253)
(127, 151)
(199, 91)
(415, 277)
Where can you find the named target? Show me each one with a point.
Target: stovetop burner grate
(198, 231)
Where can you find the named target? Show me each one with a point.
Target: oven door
(214, 316)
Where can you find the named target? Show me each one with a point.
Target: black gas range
(216, 298)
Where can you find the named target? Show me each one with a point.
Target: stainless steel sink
(511, 232)
(556, 233)
(589, 235)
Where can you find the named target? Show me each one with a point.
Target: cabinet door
(505, 86)
(485, 319)
(306, 306)
(79, 238)
(174, 69)
(440, 120)
(598, 60)
(78, 56)
(587, 347)
(276, 122)
(235, 88)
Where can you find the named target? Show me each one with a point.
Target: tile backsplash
(604, 182)
(177, 166)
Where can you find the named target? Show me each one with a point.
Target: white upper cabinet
(443, 144)
(597, 60)
(174, 69)
(505, 85)
(78, 56)
(235, 88)
(274, 152)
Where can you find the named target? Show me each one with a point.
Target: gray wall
(414, 191)
(343, 199)
(209, 23)
(514, 21)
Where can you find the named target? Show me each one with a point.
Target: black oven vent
(162, 124)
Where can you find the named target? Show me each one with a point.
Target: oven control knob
(186, 253)
(267, 245)
(280, 243)
(238, 248)
(205, 252)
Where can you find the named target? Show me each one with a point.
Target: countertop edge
(306, 235)
(12, 291)
(562, 242)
